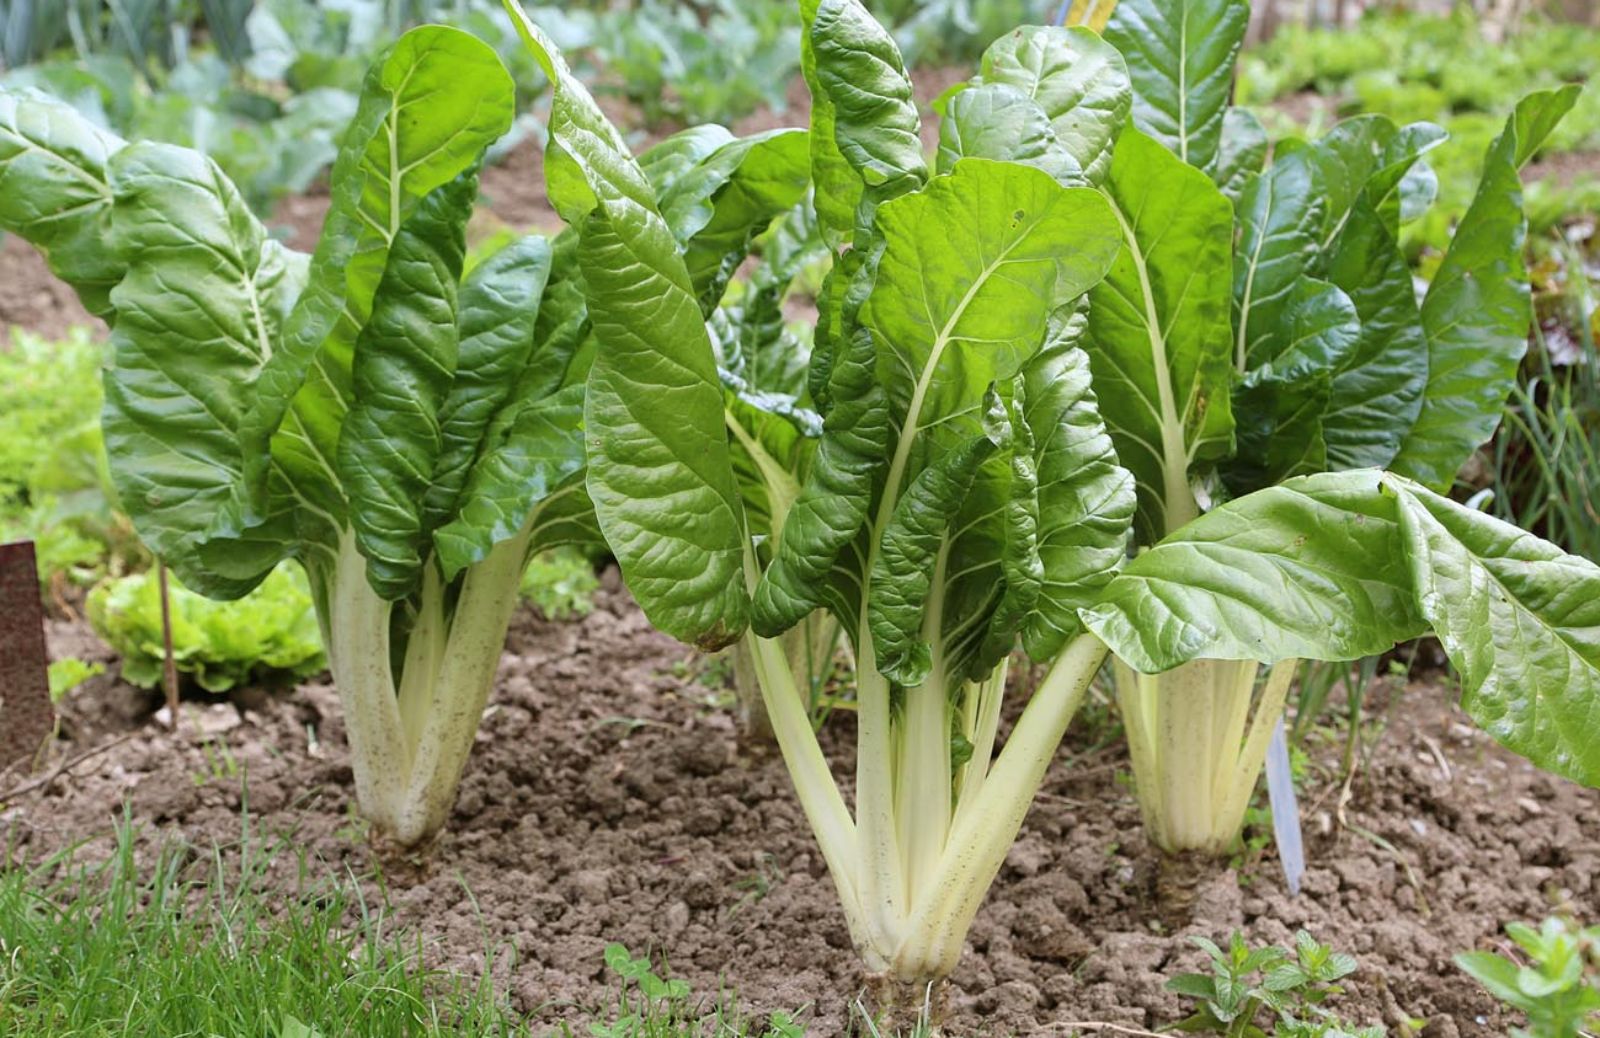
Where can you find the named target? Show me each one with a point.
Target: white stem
(358, 656)
(467, 671)
(989, 695)
(982, 837)
(878, 880)
(1136, 702)
(424, 655)
(819, 795)
(924, 775)
(1247, 765)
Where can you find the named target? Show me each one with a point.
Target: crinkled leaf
(1279, 217)
(908, 568)
(875, 121)
(204, 295)
(1086, 499)
(518, 475)
(1180, 57)
(836, 497)
(429, 107)
(659, 471)
(972, 268)
(1077, 79)
(1159, 341)
(498, 307)
(1021, 569)
(996, 121)
(1278, 407)
(54, 192)
(1314, 568)
(402, 372)
(1520, 620)
(1476, 313)
(838, 188)
(1376, 396)
(1242, 152)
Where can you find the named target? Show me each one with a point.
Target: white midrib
(1174, 455)
(1183, 85)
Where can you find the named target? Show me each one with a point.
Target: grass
(194, 942)
(197, 943)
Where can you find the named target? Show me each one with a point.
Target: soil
(608, 799)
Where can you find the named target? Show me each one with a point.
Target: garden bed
(609, 799)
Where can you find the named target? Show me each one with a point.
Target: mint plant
(1557, 986)
(1248, 987)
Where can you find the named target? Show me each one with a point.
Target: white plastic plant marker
(1285, 810)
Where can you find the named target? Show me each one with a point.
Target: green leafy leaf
(1476, 313)
(1314, 568)
(659, 471)
(1520, 620)
(429, 107)
(201, 270)
(1180, 57)
(1078, 81)
(1086, 500)
(909, 568)
(996, 121)
(402, 373)
(54, 191)
(498, 304)
(1280, 215)
(1242, 152)
(1159, 340)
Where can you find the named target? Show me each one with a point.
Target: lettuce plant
(966, 491)
(407, 434)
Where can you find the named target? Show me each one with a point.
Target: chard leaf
(836, 496)
(667, 163)
(1378, 393)
(429, 107)
(1278, 407)
(1180, 57)
(1021, 569)
(1313, 568)
(522, 466)
(1242, 152)
(1279, 217)
(1520, 620)
(1477, 313)
(1159, 338)
(996, 121)
(1078, 81)
(875, 121)
(1086, 500)
(905, 604)
(972, 268)
(838, 188)
(402, 373)
(498, 309)
(746, 184)
(1366, 157)
(204, 295)
(54, 192)
(659, 473)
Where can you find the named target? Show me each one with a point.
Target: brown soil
(34, 299)
(608, 800)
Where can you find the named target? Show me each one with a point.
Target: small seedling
(1245, 984)
(1558, 987)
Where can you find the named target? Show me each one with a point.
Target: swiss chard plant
(966, 492)
(407, 434)
(1237, 350)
